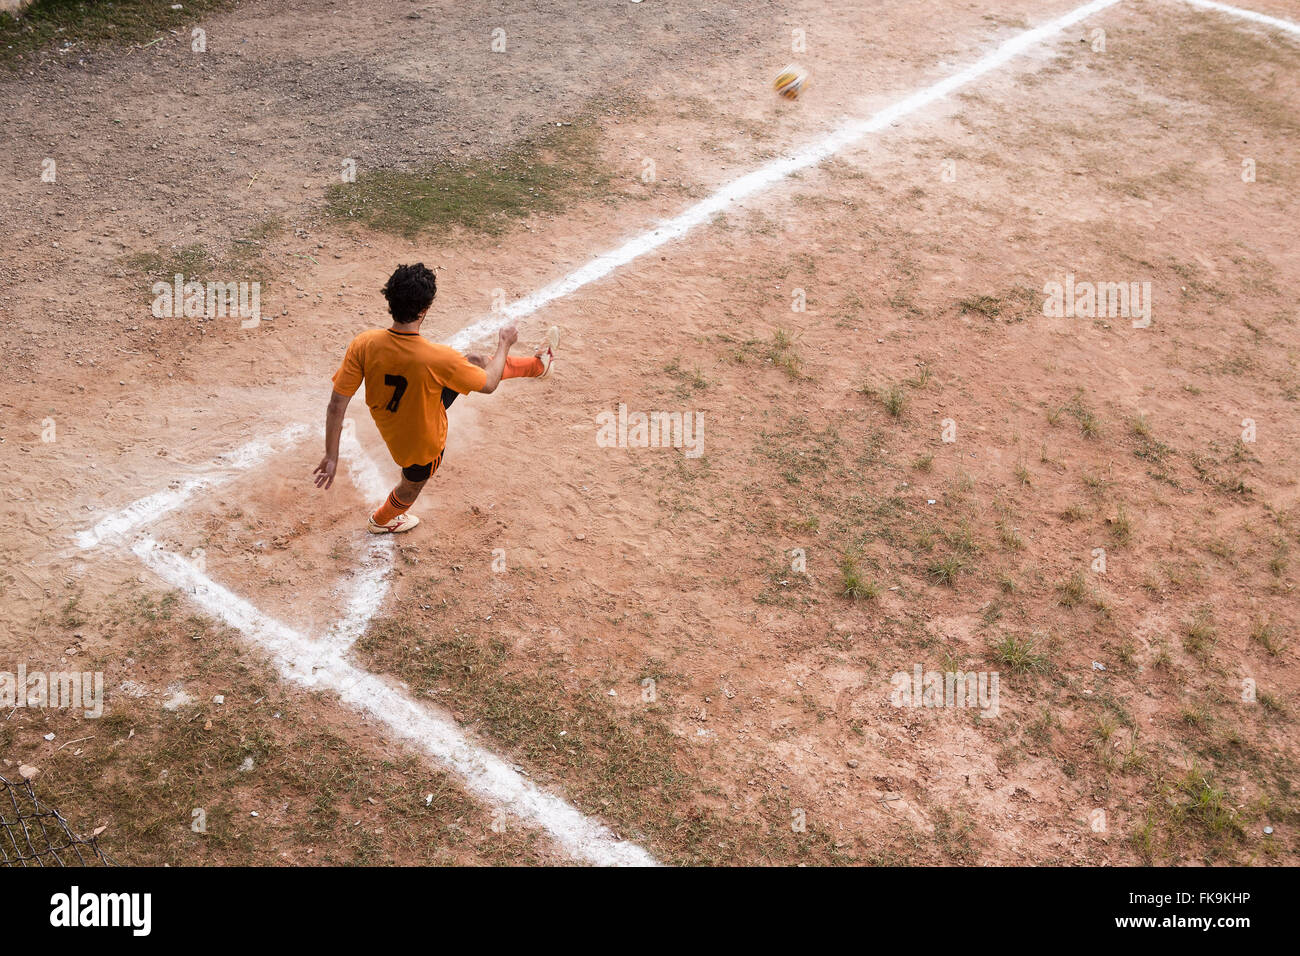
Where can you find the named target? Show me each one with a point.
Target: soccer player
(410, 383)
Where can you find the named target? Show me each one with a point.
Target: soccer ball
(790, 82)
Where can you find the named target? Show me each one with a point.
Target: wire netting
(37, 835)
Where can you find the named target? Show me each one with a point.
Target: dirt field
(695, 650)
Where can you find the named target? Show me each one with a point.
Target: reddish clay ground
(822, 433)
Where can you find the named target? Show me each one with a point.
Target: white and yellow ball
(791, 81)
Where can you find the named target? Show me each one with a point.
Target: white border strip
(1275, 22)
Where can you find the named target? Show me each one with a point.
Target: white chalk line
(819, 150)
(484, 773)
(371, 584)
(765, 176)
(317, 665)
(151, 508)
(1262, 18)
(322, 665)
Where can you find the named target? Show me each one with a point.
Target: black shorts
(418, 473)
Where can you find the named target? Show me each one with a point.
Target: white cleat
(403, 522)
(547, 351)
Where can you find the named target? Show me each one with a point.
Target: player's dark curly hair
(409, 291)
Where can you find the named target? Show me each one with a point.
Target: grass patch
(1075, 512)
(240, 262)
(921, 379)
(1121, 526)
(1263, 633)
(781, 352)
(1146, 446)
(1016, 304)
(1205, 807)
(621, 761)
(1200, 634)
(946, 570)
(1221, 83)
(488, 195)
(1019, 655)
(141, 771)
(92, 24)
(802, 453)
(1277, 564)
(893, 399)
(1073, 591)
(1089, 425)
(189, 261)
(689, 381)
(854, 585)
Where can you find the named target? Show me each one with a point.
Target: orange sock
(523, 367)
(390, 509)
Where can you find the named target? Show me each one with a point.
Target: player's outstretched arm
(324, 472)
(496, 368)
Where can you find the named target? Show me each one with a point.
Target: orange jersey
(405, 375)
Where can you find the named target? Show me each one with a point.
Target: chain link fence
(37, 835)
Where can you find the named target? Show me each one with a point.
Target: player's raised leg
(539, 366)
